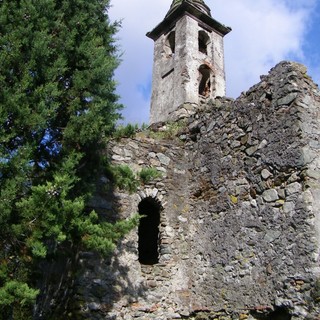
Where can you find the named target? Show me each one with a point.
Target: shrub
(123, 177)
(171, 130)
(148, 174)
(127, 131)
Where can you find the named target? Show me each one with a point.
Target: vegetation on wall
(148, 174)
(170, 131)
(58, 106)
(125, 179)
(127, 131)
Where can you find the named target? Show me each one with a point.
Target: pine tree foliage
(57, 107)
(123, 177)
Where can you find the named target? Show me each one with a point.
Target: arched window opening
(205, 81)
(148, 231)
(203, 40)
(170, 44)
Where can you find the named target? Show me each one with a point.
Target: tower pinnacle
(196, 3)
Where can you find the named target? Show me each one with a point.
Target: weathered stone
(164, 160)
(127, 153)
(262, 144)
(314, 174)
(281, 193)
(265, 174)
(288, 207)
(250, 151)
(308, 156)
(253, 203)
(117, 150)
(133, 145)
(235, 144)
(211, 126)
(272, 235)
(287, 99)
(293, 188)
(182, 219)
(118, 158)
(270, 195)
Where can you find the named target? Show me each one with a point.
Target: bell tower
(188, 62)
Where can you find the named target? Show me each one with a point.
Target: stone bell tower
(188, 58)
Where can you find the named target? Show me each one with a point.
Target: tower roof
(197, 3)
(195, 8)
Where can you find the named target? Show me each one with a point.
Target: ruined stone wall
(255, 169)
(240, 224)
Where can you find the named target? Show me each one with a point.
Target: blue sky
(264, 32)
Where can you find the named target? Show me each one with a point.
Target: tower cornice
(185, 7)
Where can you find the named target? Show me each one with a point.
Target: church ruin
(231, 228)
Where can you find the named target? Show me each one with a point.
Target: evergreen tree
(57, 107)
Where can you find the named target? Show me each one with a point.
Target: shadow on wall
(278, 314)
(83, 285)
(54, 278)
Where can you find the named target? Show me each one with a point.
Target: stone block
(270, 195)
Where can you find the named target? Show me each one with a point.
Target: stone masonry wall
(176, 75)
(240, 222)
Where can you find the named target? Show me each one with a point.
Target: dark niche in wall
(205, 80)
(278, 314)
(148, 231)
(170, 44)
(203, 41)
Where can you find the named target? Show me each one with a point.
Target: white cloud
(264, 33)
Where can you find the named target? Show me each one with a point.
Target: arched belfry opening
(148, 231)
(170, 44)
(205, 85)
(203, 41)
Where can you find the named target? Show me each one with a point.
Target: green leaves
(57, 106)
(127, 131)
(15, 291)
(102, 237)
(48, 211)
(148, 174)
(123, 177)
